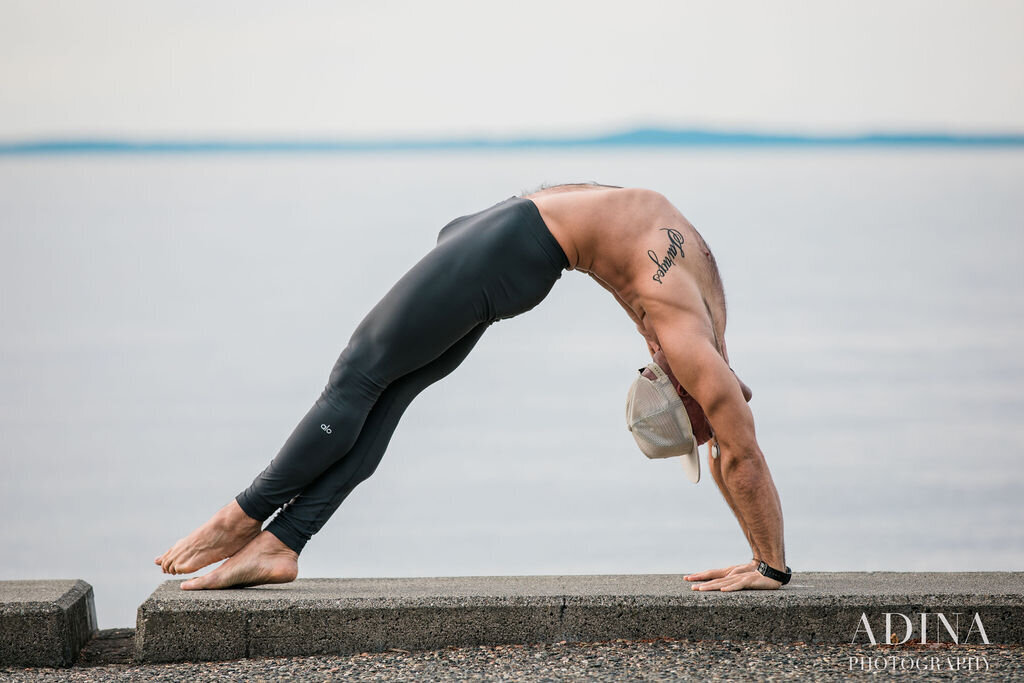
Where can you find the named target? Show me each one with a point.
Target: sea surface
(166, 320)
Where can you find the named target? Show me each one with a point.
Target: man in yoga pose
(487, 266)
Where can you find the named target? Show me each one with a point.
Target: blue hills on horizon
(639, 137)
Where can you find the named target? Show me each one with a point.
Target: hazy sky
(357, 67)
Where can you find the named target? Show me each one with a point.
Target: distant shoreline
(646, 138)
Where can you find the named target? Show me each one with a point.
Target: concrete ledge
(345, 616)
(45, 623)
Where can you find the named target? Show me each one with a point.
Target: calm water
(166, 321)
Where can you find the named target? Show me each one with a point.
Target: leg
(426, 312)
(273, 556)
(307, 513)
(431, 308)
(495, 264)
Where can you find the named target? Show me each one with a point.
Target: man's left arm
(744, 477)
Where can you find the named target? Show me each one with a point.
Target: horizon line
(634, 137)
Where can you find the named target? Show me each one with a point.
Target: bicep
(706, 376)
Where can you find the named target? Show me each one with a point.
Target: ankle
(233, 516)
(274, 545)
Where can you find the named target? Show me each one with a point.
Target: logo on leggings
(326, 428)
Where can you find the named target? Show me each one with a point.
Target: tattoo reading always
(675, 249)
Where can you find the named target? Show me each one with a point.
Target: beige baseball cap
(658, 421)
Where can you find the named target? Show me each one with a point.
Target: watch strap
(781, 577)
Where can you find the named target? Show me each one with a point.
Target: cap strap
(656, 369)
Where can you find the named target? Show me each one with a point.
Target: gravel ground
(613, 661)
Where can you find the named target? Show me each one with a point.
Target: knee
(352, 377)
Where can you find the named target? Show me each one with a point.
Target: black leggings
(487, 266)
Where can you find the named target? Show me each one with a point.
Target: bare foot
(222, 536)
(264, 560)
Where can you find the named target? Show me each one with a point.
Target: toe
(200, 582)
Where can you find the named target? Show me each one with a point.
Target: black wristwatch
(781, 577)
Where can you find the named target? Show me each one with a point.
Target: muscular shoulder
(676, 306)
(678, 270)
(670, 288)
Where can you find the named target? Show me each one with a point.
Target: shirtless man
(487, 266)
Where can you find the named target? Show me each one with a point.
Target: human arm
(740, 471)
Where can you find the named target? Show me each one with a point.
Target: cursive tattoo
(675, 250)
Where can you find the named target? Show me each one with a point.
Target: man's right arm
(744, 476)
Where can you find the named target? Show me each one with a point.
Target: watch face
(762, 566)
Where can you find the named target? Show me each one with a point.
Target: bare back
(639, 247)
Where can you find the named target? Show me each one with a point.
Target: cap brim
(691, 463)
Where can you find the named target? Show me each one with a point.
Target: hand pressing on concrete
(740, 470)
(735, 578)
